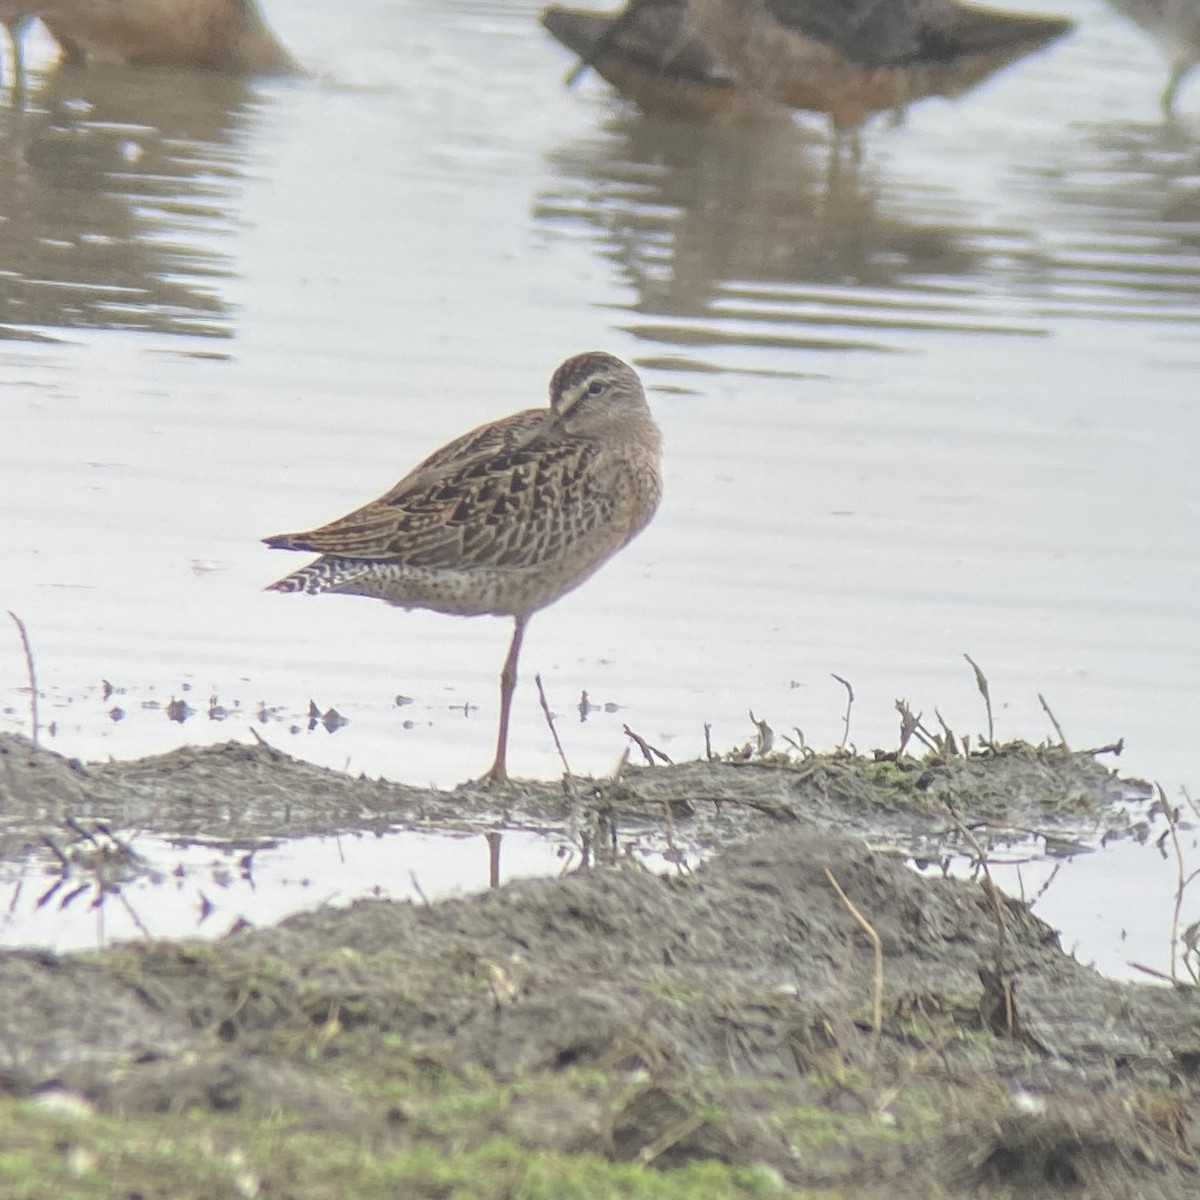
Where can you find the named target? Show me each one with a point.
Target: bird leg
(1178, 71)
(508, 684)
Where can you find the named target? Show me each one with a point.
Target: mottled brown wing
(375, 523)
(871, 32)
(494, 438)
(655, 37)
(969, 30)
(511, 507)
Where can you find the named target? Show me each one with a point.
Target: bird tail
(326, 574)
(976, 30)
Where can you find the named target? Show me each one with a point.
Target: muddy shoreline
(725, 1032)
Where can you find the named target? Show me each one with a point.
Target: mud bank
(725, 1032)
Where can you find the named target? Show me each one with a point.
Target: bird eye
(595, 388)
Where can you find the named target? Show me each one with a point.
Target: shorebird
(1175, 26)
(16, 19)
(656, 62)
(217, 35)
(853, 58)
(505, 519)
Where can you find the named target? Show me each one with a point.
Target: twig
(141, 928)
(1190, 802)
(910, 725)
(1045, 886)
(1054, 721)
(992, 892)
(58, 853)
(622, 763)
(849, 705)
(876, 941)
(554, 733)
(672, 1137)
(494, 838)
(798, 744)
(650, 752)
(1180, 883)
(982, 684)
(1151, 971)
(33, 693)
(75, 827)
(950, 743)
(765, 735)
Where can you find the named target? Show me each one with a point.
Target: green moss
(101, 1158)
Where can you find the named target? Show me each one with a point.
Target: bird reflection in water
(134, 208)
(735, 238)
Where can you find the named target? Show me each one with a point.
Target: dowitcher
(656, 62)
(218, 35)
(853, 58)
(1175, 25)
(505, 519)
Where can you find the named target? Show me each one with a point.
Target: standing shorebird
(661, 66)
(853, 58)
(215, 35)
(1175, 26)
(507, 518)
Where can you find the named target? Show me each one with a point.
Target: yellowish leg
(508, 684)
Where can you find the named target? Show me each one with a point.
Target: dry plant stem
(137, 921)
(622, 763)
(58, 853)
(908, 723)
(1181, 881)
(1151, 971)
(982, 684)
(1062, 741)
(33, 693)
(951, 743)
(876, 941)
(493, 840)
(1190, 802)
(764, 734)
(674, 1135)
(669, 823)
(993, 894)
(910, 726)
(75, 827)
(649, 752)
(554, 734)
(849, 705)
(1045, 886)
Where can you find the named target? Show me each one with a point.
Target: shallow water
(944, 405)
(184, 888)
(197, 890)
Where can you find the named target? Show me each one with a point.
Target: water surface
(943, 404)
